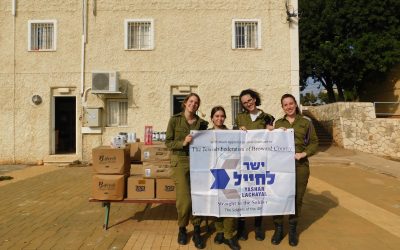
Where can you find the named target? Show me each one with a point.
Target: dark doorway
(65, 125)
(177, 103)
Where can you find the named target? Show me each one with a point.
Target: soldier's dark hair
(254, 94)
(216, 109)
(187, 98)
(294, 99)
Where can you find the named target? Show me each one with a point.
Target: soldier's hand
(243, 128)
(188, 140)
(301, 155)
(269, 127)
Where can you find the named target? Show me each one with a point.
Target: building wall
(6, 84)
(193, 50)
(354, 126)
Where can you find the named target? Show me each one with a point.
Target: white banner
(238, 173)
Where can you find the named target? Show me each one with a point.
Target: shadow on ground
(315, 206)
(158, 212)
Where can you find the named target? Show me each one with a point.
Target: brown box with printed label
(140, 188)
(166, 189)
(157, 169)
(108, 187)
(107, 160)
(155, 152)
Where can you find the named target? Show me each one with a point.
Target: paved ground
(352, 202)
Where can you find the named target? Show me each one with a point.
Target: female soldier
(225, 226)
(252, 118)
(306, 144)
(178, 140)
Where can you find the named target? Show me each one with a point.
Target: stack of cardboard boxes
(150, 172)
(111, 167)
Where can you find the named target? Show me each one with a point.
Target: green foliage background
(348, 43)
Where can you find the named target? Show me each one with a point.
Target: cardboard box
(165, 189)
(108, 187)
(155, 152)
(136, 151)
(137, 169)
(140, 188)
(107, 160)
(157, 169)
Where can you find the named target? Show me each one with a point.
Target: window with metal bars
(236, 109)
(42, 35)
(117, 112)
(246, 34)
(139, 34)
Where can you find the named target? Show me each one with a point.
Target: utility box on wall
(92, 117)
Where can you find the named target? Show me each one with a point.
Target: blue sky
(312, 87)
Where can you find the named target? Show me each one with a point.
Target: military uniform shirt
(305, 138)
(244, 119)
(178, 129)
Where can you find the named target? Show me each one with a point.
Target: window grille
(42, 35)
(236, 109)
(117, 112)
(139, 34)
(246, 34)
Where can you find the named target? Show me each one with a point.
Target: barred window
(139, 34)
(236, 109)
(117, 112)
(42, 35)
(246, 34)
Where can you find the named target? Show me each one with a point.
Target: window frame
(52, 21)
(119, 100)
(235, 110)
(234, 45)
(126, 23)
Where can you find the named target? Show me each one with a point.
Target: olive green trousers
(225, 225)
(302, 174)
(181, 176)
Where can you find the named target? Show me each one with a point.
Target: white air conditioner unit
(105, 82)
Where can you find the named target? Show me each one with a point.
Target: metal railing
(387, 109)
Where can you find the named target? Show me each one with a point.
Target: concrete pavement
(352, 202)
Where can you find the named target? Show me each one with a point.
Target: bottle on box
(148, 135)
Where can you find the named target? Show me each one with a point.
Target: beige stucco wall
(192, 48)
(354, 126)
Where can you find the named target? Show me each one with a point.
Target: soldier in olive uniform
(178, 140)
(306, 144)
(225, 226)
(252, 118)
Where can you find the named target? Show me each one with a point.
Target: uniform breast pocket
(180, 133)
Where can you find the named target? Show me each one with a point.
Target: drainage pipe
(13, 12)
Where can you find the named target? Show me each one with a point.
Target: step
(60, 159)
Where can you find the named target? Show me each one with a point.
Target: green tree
(348, 42)
(308, 99)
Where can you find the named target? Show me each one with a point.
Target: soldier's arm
(312, 146)
(170, 141)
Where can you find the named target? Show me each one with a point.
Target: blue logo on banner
(221, 178)
(261, 178)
